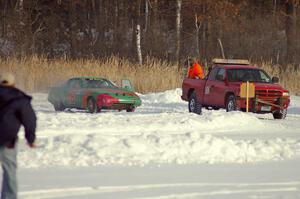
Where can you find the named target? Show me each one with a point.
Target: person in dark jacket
(15, 110)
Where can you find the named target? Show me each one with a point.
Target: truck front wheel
(194, 105)
(231, 103)
(280, 114)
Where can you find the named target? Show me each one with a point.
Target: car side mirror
(275, 79)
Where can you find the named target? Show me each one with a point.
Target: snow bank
(167, 97)
(160, 132)
(294, 108)
(189, 148)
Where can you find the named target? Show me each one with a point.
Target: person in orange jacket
(195, 70)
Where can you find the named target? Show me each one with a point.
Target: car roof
(235, 66)
(89, 78)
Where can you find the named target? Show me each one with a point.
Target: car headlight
(285, 94)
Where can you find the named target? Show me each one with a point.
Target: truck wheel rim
(192, 105)
(230, 106)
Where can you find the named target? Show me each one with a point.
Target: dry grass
(35, 74)
(288, 78)
(38, 74)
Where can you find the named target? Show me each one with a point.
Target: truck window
(213, 73)
(264, 77)
(217, 72)
(220, 74)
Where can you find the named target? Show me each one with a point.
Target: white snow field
(161, 152)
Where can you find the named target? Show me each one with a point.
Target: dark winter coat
(15, 110)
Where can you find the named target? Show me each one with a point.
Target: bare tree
(161, 28)
(197, 28)
(290, 28)
(138, 33)
(274, 7)
(178, 29)
(146, 15)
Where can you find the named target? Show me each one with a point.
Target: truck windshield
(251, 75)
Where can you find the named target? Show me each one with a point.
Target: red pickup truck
(221, 89)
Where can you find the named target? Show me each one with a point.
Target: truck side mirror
(275, 79)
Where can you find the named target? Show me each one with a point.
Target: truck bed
(190, 85)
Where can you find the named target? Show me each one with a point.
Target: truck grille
(268, 95)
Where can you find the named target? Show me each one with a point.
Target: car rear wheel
(231, 103)
(58, 106)
(280, 114)
(194, 105)
(92, 106)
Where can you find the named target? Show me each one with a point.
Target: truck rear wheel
(280, 114)
(231, 103)
(194, 105)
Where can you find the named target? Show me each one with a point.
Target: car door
(71, 91)
(215, 88)
(80, 90)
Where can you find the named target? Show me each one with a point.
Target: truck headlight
(285, 94)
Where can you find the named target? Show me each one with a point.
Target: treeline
(165, 29)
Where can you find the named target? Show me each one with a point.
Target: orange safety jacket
(196, 72)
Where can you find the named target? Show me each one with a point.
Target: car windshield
(99, 83)
(251, 75)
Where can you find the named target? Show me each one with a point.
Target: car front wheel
(92, 106)
(130, 109)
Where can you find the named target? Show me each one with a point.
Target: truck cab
(221, 89)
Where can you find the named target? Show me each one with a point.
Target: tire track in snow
(221, 192)
(220, 189)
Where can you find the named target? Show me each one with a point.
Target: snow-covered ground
(161, 152)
